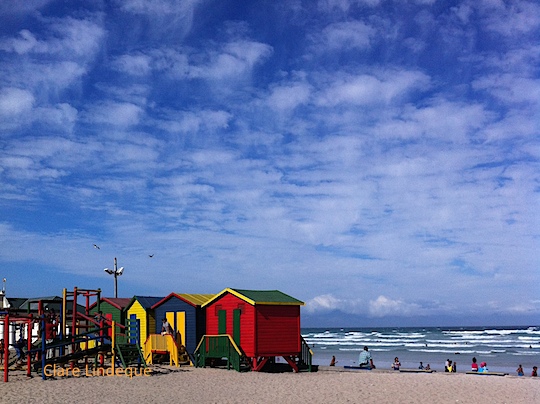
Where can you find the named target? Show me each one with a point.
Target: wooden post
(6, 347)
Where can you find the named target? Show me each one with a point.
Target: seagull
(96, 247)
(151, 256)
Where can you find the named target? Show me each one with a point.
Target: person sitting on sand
(520, 371)
(427, 367)
(454, 367)
(19, 349)
(448, 366)
(421, 367)
(534, 372)
(396, 364)
(333, 361)
(483, 367)
(365, 360)
(474, 365)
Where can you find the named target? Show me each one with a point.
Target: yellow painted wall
(141, 315)
(178, 323)
(151, 323)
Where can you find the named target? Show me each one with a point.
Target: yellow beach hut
(140, 310)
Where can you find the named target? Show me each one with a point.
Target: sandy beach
(198, 385)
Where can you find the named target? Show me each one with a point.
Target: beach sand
(328, 385)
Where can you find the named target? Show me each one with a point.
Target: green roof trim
(260, 297)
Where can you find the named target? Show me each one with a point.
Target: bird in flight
(96, 247)
(151, 256)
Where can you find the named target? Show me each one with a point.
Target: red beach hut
(263, 324)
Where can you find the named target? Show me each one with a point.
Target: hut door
(134, 329)
(177, 320)
(222, 322)
(236, 325)
(181, 326)
(109, 318)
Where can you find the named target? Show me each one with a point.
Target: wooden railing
(218, 347)
(306, 354)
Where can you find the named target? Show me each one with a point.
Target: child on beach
(396, 363)
(534, 371)
(483, 367)
(333, 361)
(474, 365)
(520, 371)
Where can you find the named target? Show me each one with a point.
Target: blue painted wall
(195, 320)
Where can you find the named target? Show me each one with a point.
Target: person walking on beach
(365, 360)
(520, 371)
(333, 361)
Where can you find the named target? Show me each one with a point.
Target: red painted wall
(278, 330)
(265, 330)
(230, 302)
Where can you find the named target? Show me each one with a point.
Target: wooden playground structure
(245, 330)
(77, 336)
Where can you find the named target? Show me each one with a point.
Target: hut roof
(195, 299)
(145, 301)
(259, 297)
(119, 302)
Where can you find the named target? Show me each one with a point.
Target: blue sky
(378, 160)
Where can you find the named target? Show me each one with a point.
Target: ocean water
(503, 349)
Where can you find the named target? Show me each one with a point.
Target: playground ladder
(129, 355)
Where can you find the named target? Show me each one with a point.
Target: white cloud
(367, 89)
(512, 19)
(115, 113)
(21, 45)
(323, 303)
(193, 122)
(236, 59)
(384, 306)
(69, 37)
(15, 101)
(510, 89)
(345, 35)
(136, 65)
(288, 97)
